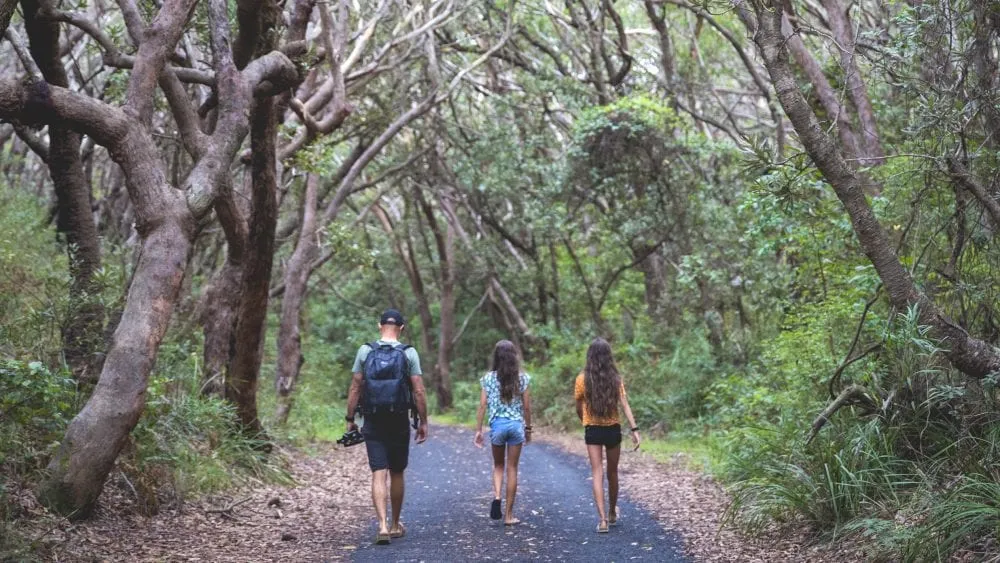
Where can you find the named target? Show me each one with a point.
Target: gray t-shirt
(412, 358)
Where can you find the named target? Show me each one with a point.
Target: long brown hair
(601, 380)
(507, 366)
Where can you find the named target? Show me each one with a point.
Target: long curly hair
(602, 381)
(507, 365)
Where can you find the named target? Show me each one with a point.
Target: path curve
(446, 511)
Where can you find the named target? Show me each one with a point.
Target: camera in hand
(351, 438)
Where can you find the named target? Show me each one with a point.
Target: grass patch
(454, 418)
(697, 453)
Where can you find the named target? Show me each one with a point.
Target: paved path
(446, 511)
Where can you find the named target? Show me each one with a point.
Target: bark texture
(444, 240)
(222, 297)
(828, 98)
(82, 331)
(870, 147)
(968, 354)
(296, 279)
(244, 371)
(165, 222)
(655, 280)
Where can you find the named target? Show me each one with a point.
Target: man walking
(387, 381)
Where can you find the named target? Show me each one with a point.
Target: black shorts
(609, 436)
(387, 439)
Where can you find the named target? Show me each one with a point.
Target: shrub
(35, 405)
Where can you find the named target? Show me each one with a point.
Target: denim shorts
(506, 431)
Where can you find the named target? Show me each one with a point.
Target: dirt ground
(322, 516)
(693, 504)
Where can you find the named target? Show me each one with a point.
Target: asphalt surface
(448, 495)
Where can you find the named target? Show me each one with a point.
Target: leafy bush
(35, 405)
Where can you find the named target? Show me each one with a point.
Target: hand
(352, 426)
(527, 436)
(478, 440)
(421, 433)
(635, 440)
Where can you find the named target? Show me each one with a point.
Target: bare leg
(498, 452)
(597, 472)
(396, 487)
(513, 457)
(613, 454)
(378, 498)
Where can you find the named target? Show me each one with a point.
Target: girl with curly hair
(599, 391)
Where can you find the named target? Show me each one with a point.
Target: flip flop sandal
(383, 539)
(613, 518)
(398, 533)
(495, 510)
(602, 528)
(514, 522)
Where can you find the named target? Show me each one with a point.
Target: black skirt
(609, 436)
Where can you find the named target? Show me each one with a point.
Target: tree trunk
(654, 279)
(542, 290)
(843, 33)
(423, 306)
(985, 64)
(82, 330)
(222, 296)
(836, 113)
(98, 433)
(296, 279)
(969, 355)
(244, 370)
(445, 243)
(446, 320)
(556, 313)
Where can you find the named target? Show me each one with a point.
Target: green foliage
(188, 444)
(35, 405)
(967, 516)
(897, 462)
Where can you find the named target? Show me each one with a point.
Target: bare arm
(579, 409)
(631, 419)
(420, 397)
(480, 415)
(526, 399)
(354, 395)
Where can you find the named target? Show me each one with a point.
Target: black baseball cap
(392, 317)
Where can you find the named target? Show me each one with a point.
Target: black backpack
(387, 380)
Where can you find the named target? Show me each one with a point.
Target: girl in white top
(505, 392)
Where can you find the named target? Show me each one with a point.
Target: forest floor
(670, 512)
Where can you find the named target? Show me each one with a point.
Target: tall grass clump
(188, 444)
(908, 464)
